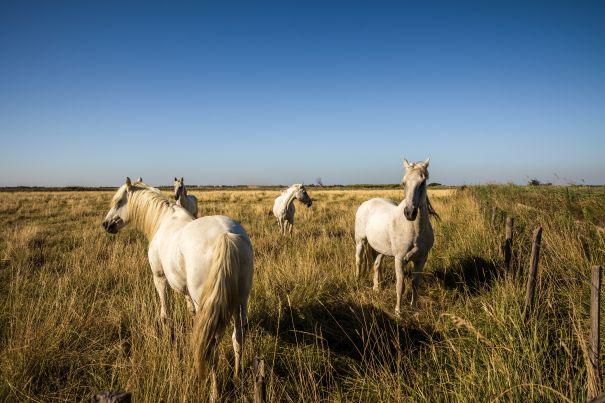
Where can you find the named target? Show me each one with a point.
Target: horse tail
(218, 301)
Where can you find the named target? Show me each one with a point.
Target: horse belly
(378, 238)
(171, 268)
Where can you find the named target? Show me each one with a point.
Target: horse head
(117, 216)
(179, 187)
(414, 183)
(303, 196)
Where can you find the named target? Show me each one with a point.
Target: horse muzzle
(112, 226)
(410, 214)
(309, 204)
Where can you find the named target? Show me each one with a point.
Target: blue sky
(285, 91)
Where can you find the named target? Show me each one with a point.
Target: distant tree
(534, 182)
(318, 182)
(432, 184)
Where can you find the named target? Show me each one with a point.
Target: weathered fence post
(507, 246)
(259, 380)
(594, 372)
(112, 397)
(533, 272)
(493, 221)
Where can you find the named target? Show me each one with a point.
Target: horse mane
(146, 207)
(296, 185)
(432, 211)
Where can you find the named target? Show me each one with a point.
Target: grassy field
(78, 310)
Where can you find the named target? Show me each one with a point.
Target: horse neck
(182, 192)
(146, 212)
(291, 197)
(422, 219)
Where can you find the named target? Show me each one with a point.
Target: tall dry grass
(78, 310)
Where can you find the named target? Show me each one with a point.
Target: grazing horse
(208, 259)
(383, 227)
(283, 207)
(189, 202)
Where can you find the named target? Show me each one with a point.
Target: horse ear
(426, 163)
(140, 179)
(128, 183)
(175, 179)
(182, 179)
(406, 164)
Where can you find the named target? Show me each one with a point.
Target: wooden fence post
(259, 380)
(533, 272)
(507, 246)
(594, 372)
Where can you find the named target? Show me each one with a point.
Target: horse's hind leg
(377, 272)
(214, 396)
(190, 305)
(239, 334)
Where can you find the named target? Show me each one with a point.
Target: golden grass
(78, 310)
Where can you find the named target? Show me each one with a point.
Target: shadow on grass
(470, 274)
(363, 333)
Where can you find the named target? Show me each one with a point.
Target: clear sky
(288, 91)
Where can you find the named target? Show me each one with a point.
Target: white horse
(208, 259)
(383, 227)
(283, 207)
(189, 202)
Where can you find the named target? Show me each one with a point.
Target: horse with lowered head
(283, 206)
(383, 227)
(209, 260)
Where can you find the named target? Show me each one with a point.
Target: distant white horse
(189, 202)
(283, 207)
(209, 260)
(383, 227)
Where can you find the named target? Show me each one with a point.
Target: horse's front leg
(418, 267)
(358, 259)
(400, 263)
(161, 286)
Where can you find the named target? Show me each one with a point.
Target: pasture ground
(78, 310)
